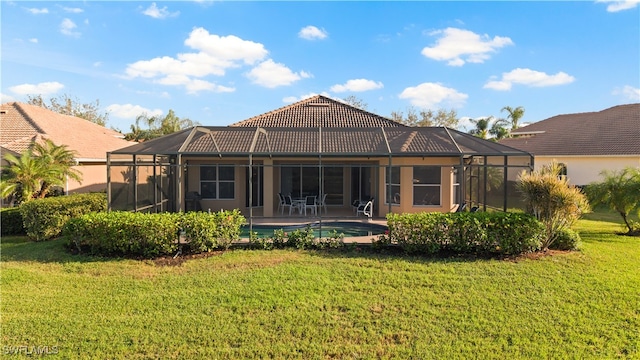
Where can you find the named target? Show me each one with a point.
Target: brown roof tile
(613, 131)
(22, 124)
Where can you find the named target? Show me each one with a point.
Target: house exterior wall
(582, 170)
(94, 178)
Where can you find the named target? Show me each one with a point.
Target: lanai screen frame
(166, 154)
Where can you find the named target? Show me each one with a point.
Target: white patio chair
(310, 203)
(366, 209)
(322, 203)
(291, 204)
(281, 204)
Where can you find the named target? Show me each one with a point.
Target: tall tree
(498, 130)
(426, 118)
(514, 115)
(65, 105)
(355, 102)
(483, 125)
(59, 162)
(157, 126)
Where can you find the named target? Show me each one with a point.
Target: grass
(297, 304)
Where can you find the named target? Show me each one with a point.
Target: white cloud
(292, 99)
(36, 11)
(73, 10)
(159, 13)
(619, 5)
(430, 95)
(528, 77)
(271, 74)
(458, 46)
(628, 93)
(357, 85)
(312, 33)
(45, 88)
(215, 55)
(33, 40)
(129, 111)
(4, 98)
(67, 28)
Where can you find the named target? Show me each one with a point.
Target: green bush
(45, 218)
(299, 239)
(11, 221)
(497, 233)
(567, 240)
(152, 235)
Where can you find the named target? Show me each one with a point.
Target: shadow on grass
(20, 248)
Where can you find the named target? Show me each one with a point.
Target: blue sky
(221, 62)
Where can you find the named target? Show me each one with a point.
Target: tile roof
(318, 111)
(22, 124)
(613, 131)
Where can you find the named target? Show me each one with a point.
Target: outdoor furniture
(310, 203)
(358, 204)
(281, 204)
(366, 209)
(289, 202)
(322, 203)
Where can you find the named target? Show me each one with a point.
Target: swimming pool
(349, 229)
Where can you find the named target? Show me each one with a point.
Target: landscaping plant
(620, 191)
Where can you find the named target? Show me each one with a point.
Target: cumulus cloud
(292, 99)
(67, 27)
(628, 93)
(129, 111)
(271, 74)
(45, 88)
(312, 33)
(458, 46)
(528, 77)
(430, 95)
(159, 13)
(4, 98)
(357, 85)
(619, 5)
(215, 54)
(36, 11)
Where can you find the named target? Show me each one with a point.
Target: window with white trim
(217, 182)
(426, 185)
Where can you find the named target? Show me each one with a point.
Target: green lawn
(291, 304)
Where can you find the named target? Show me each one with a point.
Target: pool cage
(403, 169)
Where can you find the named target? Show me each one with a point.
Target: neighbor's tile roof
(614, 131)
(22, 124)
(318, 111)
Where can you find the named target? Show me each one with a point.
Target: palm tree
(58, 161)
(22, 177)
(514, 115)
(620, 191)
(498, 130)
(482, 127)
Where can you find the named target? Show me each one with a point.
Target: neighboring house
(316, 147)
(585, 143)
(22, 124)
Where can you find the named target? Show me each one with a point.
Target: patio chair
(322, 203)
(281, 204)
(366, 209)
(310, 203)
(288, 202)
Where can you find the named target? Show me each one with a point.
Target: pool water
(349, 229)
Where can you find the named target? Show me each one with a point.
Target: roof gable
(318, 111)
(23, 124)
(613, 131)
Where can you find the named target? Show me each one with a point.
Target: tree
(67, 106)
(157, 126)
(426, 118)
(498, 131)
(620, 191)
(549, 197)
(37, 170)
(355, 102)
(514, 115)
(482, 127)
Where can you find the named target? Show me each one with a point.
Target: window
(393, 180)
(426, 185)
(217, 182)
(563, 171)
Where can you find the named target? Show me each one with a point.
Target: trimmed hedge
(122, 233)
(44, 218)
(11, 221)
(480, 232)
(567, 240)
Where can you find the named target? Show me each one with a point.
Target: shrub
(151, 235)
(45, 218)
(620, 191)
(567, 240)
(299, 239)
(499, 233)
(11, 221)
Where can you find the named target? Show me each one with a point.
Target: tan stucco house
(585, 143)
(316, 147)
(22, 124)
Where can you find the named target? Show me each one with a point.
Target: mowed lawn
(317, 305)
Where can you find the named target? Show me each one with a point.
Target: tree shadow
(20, 248)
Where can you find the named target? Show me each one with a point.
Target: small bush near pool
(150, 235)
(567, 240)
(482, 232)
(44, 218)
(11, 221)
